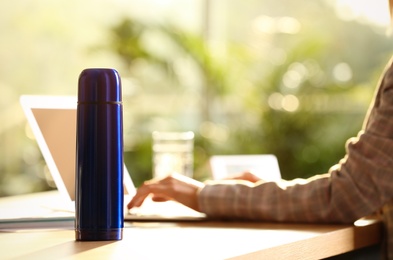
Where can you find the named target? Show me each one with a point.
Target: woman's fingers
(174, 187)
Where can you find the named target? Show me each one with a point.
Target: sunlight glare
(375, 12)
(271, 25)
(342, 72)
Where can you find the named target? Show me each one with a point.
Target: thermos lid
(99, 85)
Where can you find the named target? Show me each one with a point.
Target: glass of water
(173, 152)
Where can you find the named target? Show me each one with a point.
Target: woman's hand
(174, 187)
(179, 188)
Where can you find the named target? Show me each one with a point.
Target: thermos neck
(100, 103)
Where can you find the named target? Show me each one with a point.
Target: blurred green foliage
(241, 92)
(283, 77)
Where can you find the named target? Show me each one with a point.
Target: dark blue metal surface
(99, 162)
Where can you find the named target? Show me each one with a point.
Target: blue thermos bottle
(99, 157)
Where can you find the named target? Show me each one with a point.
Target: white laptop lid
(53, 122)
(265, 166)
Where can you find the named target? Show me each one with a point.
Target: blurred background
(291, 78)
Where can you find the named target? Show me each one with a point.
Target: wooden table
(196, 240)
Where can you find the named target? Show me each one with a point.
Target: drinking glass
(173, 152)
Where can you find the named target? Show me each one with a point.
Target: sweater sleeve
(357, 186)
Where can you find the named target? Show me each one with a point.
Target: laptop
(52, 120)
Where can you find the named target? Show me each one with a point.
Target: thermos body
(99, 157)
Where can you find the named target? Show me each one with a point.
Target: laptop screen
(53, 123)
(58, 128)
